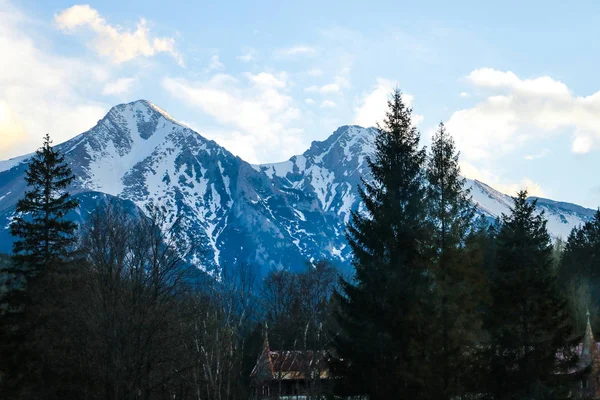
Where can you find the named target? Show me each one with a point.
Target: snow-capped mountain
(562, 217)
(326, 178)
(330, 171)
(278, 215)
(224, 208)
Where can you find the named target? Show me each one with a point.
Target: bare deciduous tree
(134, 303)
(223, 311)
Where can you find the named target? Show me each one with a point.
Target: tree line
(109, 310)
(441, 303)
(445, 305)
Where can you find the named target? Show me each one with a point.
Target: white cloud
(249, 55)
(297, 50)
(464, 94)
(543, 153)
(310, 101)
(268, 80)
(215, 63)
(39, 92)
(339, 83)
(491, 78)
(112, 41)
(330, 88)
(581, 145)
(246, 57)
(374, 105)
(520, 110)
(120, 86)
(255, 113)
(328, 104)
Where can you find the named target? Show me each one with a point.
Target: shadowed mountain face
(280, 215)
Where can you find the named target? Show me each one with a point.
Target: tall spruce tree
(459, 282)
(31, 333)
(579, 272)
(450, 202)
(383, 348)
(44, 236)
(528, 323)
(480, 253)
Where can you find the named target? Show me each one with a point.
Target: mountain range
(280, 215)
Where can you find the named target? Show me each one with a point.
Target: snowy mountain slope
(279, 215)
(562, 217)
(327, 177)
(138, 152)
(331, 170)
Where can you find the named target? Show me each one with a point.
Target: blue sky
(515, 82)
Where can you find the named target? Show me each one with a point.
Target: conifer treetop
(43, 234)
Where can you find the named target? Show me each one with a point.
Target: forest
(441, 304)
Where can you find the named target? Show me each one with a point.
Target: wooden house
(287, 374)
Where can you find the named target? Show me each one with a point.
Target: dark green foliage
(44, 236)
(450, 203)
(5, 260)
(579, 272)
(478, 257)
(482, 239)
(528, 322)
(385, 317)
(460, 285)
(34, 343)
(5, 265)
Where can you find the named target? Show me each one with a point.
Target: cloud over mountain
(516, 110)
(118, 44)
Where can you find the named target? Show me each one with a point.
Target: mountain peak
(343, 132)
(140, 109)
(346, 143)
(274, 216)
(130, 136)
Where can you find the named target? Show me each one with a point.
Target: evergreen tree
(383, 347)
(451, 207)
(528, 322)
(33, 341)
(480, 243)
(481, 240)
(479, 255)
(44, 236)
(579, 272)
(459, 282)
